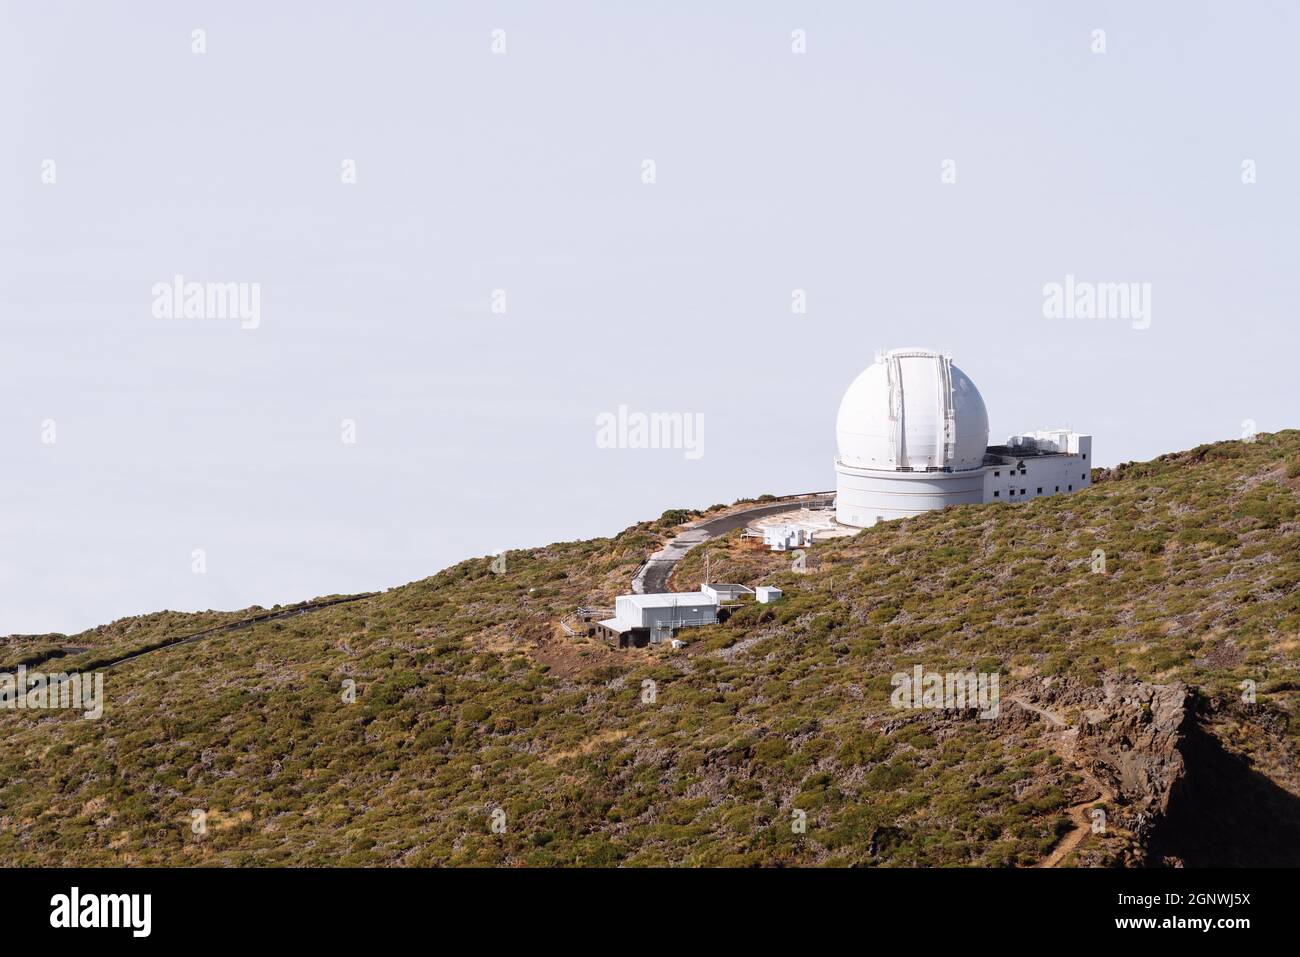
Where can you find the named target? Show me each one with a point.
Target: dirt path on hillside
(171, 641)
(1064, 739)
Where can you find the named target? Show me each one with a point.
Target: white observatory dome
(912, 409)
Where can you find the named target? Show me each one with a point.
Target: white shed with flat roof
(666, 609)
(725, 591)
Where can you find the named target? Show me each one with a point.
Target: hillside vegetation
(470, 700)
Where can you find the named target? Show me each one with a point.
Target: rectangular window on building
(1040, 490)
(997, 474)
(996, 493)
(1058, 488)
(1071, 488)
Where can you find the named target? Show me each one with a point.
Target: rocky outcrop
(1131, 738)
(1182, 796)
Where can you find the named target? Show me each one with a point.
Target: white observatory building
(912, 434)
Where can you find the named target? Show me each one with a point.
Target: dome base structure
(867, 496)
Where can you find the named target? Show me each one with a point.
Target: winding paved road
(653, 575)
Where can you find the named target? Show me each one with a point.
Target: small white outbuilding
(782, 537)
(725, 591)
(766, 594)
(652, 618)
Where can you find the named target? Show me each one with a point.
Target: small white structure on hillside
(642, 619)
(912, 435)
(725, 591)
(782, 537)
(766, 594)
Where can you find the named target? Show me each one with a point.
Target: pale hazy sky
(522, 171)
